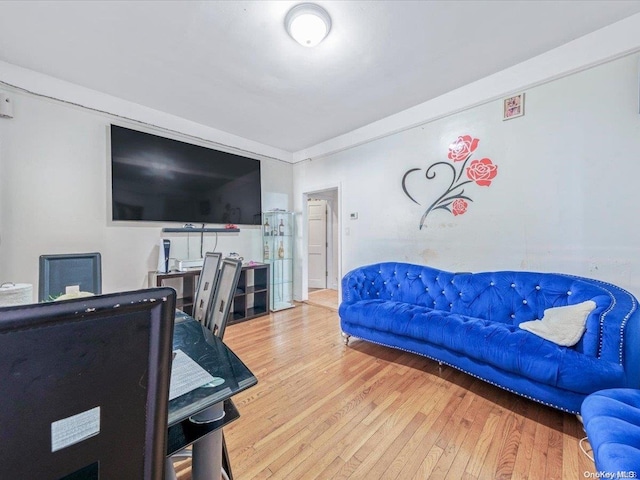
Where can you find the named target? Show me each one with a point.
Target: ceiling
(230, 65)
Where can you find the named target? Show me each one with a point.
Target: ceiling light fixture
(308, 24)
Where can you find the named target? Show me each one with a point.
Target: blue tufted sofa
(471, 321)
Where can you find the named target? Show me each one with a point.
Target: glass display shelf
(278, 231)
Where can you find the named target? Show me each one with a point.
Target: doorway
(323, 277)
(317, 243)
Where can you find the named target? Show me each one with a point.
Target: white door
(317, 213)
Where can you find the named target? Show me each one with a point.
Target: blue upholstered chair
(612, 422)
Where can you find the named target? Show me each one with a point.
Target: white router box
(188, 264)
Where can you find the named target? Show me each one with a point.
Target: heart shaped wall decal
(481, 172)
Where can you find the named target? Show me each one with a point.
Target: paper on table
(187, 375)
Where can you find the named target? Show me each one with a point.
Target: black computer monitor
(84, 387)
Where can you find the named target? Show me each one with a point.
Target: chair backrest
(57, 272)
(85, 386)
(206, 286)
(223, 298)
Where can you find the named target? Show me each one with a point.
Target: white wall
(54, 193)
(564, 199)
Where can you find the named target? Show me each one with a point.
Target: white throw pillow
(562, 325)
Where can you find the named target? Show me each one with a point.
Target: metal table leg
(207, 452)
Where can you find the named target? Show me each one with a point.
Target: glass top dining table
(231, 374)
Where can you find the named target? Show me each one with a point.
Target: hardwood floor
(324, 297)
(322, 410)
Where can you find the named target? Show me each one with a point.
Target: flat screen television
(158, 179)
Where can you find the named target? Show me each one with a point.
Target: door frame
(337, 249)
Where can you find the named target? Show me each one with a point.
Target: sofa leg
(345, 338)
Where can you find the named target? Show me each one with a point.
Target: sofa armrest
(355, 286)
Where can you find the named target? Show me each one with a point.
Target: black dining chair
(207, 283)
(60, 271)
(216, 313)
(223, 297)
(85, 386)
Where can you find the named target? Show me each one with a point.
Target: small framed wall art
(513, 107)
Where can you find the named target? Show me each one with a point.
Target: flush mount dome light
(308, 24)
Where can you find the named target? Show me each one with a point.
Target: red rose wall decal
(481, 172)
(459, 206)
(462, 148)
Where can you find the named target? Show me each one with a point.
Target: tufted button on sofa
(471, 321)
